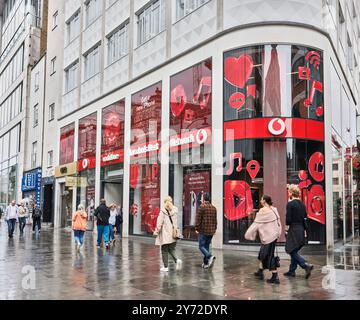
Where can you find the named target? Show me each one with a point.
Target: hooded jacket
(267, 223)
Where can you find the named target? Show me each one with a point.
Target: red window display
(112, 137)
(144, 158)
(273, 134)
(87, 142)
(67, 144)
(190, 142)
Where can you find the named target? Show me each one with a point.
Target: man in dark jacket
(205, 226)
(102, 214)
(36, 216)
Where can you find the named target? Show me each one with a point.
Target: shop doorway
(66, 206)
(112, 192)
(48, 207)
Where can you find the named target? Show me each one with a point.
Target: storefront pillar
(98, 160)
(217, 149)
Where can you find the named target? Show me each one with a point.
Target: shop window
(87, 137)
(67, 144)
(145, 160)
(190, 141)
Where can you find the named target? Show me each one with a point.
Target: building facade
(182, 97)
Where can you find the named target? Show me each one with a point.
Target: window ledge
(72, 41)
(117, 60)
(93, 22)
(93, 76)
(70, 91)
(152, 38)
(188, 14)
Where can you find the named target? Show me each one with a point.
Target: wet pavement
(130, 271)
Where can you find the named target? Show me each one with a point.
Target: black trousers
(37, 222)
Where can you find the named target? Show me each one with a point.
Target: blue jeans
(112, 232)
(11, 226)
(79, 236)
(22, 224)
(103, 231)
(204, 246)
(296, 259)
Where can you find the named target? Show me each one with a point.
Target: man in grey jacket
(11, 215)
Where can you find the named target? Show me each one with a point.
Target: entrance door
(48, 203)
(66, 206)
(112, 192)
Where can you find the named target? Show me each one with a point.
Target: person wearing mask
(22, 217)
(36, 216)
(11, 216)
(296, 232)
(267, 224)
(119, 221)
(102, 214)
(167, 233)
(205, 227)
(112, 222)
(79, 225)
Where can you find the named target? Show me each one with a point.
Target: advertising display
(190, 141)
(273, 135)
(87, 143)
(144, 159)
(67, 144)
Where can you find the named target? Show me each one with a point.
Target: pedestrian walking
(1, 213)
(102, 214)
(119, 221)
(112, 222)
(11, 216)
(36, 217)
(79, 225)
(167, 233)
(22, 217)
(267, 224)
(205, 227)
(296, 232)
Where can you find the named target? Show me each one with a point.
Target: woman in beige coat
(166, 223)
(267, 224)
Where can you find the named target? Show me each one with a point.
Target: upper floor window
(34, 154)
(92, 63)
(118, 44)
(73, 27)
(50, 158)
(184, 7)
(151, 21)
(53, 66)
(55, 20)
(37, 79)
(52, 112)
(71, 76)
(350, 54)
(92, 11)
(342, 26)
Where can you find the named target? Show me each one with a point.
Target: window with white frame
(50, 158)
(54, 20)
(92, 63)
(118, 44)
(36, 81)
(342, 26)
(36, 116)
(92, 11)
(151, 21)
(53, 66)
(350, 54)
(71, 77)
(52, 112)
(73, 27)
(184, 7)
(34, 154)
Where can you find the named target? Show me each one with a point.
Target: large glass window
(144, 159)
(92, 63)
(190, 141)
(71, 77)
(87, 137)
(118, 44)
(67, 144)
(274, 134)
(73, 27)
(93, 9)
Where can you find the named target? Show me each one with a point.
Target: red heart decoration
(134, 175)
(237, 71)
(178, 100)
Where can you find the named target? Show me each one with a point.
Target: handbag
(276, 257)
(176, 234)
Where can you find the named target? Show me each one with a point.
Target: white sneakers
(178, 264)
(164, 269)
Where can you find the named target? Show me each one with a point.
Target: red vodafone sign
(277, 126)
(86, 163)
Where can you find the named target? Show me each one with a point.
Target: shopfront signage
(32, 182)
(112, 158)
(66, 170)
(190, 139)
(86, 164)
(143, 150)
(75, 182)
(276, 127)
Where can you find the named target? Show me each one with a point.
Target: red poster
(195, 185)
(67, 144)
(112, 137)
(87, 142)
(190, 102)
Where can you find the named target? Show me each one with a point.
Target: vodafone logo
(276, 127)
(201, 136)
(85, 163)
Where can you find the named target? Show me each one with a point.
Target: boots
(308, 269)
(274, 279)
(259, 274)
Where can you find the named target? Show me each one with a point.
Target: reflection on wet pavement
(131, 271)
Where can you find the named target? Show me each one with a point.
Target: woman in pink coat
(267, 224)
